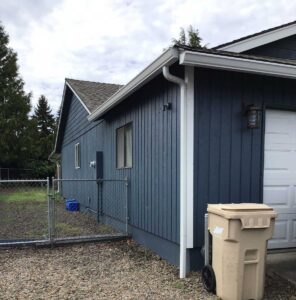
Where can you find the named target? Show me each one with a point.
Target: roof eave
(259, 40)
(59, 124)
(168, 57)
(215, 61)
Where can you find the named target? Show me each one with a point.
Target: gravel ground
(117, 270)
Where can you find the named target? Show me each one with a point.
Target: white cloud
(112, 40)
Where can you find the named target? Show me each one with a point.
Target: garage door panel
(294, 230)
(278, 160)
(280, 230)
(280, 138)
(277, 178)
(280, 175)
(276, 195)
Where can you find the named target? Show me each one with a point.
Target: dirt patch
(117, 270)
(23, 220)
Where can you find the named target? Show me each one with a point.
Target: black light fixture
(167, 106)
(253, 116)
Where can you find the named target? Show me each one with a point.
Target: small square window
(77, 156)
(124, 146)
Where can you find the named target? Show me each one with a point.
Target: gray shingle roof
(93, 94)
(253, 35)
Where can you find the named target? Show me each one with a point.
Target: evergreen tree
(191, 38)
(14, 109)
(44, 124)
(44, 117)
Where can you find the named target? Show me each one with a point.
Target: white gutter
(183, 169)
(223, 62)
(166, 58)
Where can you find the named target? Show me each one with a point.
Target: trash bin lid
(245, 207)
(252, 215)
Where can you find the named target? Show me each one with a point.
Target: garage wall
(228, 155)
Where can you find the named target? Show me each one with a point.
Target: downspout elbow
(170, 77)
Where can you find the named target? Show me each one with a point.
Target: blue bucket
(72, 205)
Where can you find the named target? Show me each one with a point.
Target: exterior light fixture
(252, 112)
(167, 106)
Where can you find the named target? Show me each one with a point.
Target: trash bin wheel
(208, 278)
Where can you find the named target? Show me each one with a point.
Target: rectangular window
(77, 156)
(124, 146)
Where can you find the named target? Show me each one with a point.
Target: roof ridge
(99, 82)
(254, 34)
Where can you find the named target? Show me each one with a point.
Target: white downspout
(183, 169)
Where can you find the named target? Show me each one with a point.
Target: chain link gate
(34, 211)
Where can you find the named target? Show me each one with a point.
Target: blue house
(196, 126)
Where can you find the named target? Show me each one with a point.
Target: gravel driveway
(117, 270)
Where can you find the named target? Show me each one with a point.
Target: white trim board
(59, 124)
(167, 58)
(215, 61)
(260, 39)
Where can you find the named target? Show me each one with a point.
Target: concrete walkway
(283, 264)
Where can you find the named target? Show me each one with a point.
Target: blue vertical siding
(154, 176)
(153, 204)
(229, 156)
(76, 123)
(284, 48)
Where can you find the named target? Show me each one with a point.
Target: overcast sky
(112, 40)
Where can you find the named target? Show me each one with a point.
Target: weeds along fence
(62, 210)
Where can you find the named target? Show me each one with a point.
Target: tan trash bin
(239, 234)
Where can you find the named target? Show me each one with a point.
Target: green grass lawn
(34, 194)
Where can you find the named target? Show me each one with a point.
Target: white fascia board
(237, 64)
(82, 103)
(260, 40)
(60, 118)
(167, 58)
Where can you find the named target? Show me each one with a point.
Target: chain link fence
(57, 210)
(23, 210)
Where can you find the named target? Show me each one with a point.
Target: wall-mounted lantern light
(252, 112)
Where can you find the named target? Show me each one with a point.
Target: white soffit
(237, 64)
(260, 39)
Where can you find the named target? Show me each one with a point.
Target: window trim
(77, 156)
(124, 146)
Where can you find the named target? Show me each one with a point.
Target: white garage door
(280, 174)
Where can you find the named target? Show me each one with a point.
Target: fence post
(53, 199)
(126, 205)
(49, 209)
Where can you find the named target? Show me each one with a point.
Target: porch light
(253, 116)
